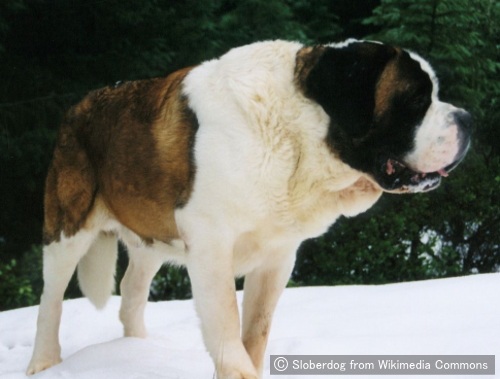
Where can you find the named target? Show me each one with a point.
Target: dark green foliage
(21, 282)
(54, 51)
(171, 283)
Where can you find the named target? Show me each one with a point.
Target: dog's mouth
(394, 176)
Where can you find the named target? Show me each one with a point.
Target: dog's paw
(39, 364)
(237, 374)
(235, 363)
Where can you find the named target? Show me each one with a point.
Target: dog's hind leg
(59, 263)
(144, 263)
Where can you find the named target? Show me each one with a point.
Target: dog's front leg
(263, 288)
(212, 279)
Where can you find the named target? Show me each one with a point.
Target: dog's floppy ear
(343, 81)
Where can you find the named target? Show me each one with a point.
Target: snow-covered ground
(448, 316)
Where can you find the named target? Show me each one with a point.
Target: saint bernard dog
(226, 168)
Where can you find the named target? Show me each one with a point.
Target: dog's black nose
(463, 120)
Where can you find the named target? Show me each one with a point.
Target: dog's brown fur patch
(306, 59)
(389, 83)
(130, 145)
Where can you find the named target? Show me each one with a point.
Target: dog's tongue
(442, 172)
(389, 167)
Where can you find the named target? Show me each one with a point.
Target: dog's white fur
(437, 139)
(265, 181)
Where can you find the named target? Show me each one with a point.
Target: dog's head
(386, 118)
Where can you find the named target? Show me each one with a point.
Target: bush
(21, 280)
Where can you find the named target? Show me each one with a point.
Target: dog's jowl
(226, 168)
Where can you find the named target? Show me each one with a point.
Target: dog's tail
(96, 270)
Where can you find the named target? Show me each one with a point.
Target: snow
(446, 316)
